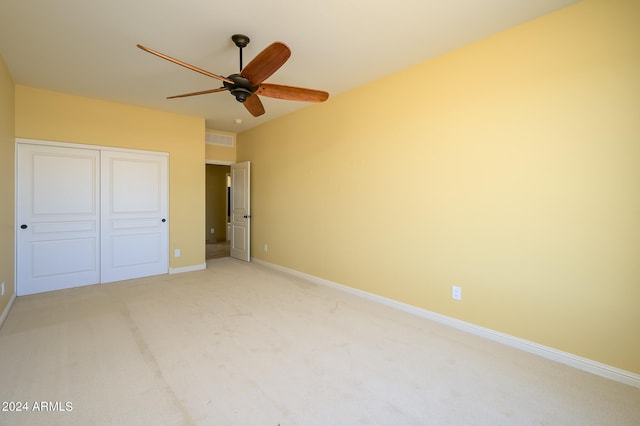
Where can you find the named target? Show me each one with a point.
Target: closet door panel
(134, 215)
(57, 218)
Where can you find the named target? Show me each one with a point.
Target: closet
(88, 214)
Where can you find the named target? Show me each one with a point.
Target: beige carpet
(240, 344)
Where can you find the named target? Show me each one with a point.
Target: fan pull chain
(240, 59)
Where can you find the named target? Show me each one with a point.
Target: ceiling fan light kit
(248, 84)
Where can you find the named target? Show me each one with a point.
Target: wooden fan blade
(184, 64)
(266, 63)
(291, 93)
(253, 104)
(204, 92)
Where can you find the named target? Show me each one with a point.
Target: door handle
(247, 216)
(164, 220)
(23, 226)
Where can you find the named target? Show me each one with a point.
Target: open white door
(240, 211)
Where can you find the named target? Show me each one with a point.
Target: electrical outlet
(176, 253)
(266, 248)
(213, 231)
(456, 293)
(3, 288)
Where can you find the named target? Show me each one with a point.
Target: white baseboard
(7, 308)
(575, 361)
(187, 269)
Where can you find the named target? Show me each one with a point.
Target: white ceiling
(88, 47)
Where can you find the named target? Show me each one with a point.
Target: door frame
(230, 163)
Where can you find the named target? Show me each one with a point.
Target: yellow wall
(47, 115)
(7, 184)
(510, 167)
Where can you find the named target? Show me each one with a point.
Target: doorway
(218, 217)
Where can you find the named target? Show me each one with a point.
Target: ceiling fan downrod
(241, 41)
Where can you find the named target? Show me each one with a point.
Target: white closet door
(57, 217)
(134, 241)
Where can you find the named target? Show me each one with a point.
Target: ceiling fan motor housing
(241, 87)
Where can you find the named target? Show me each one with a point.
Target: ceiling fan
(249, 83)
